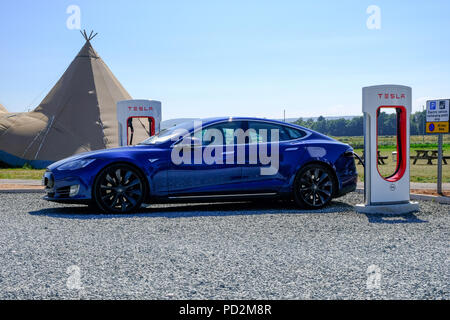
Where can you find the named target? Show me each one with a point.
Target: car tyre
(119, 188)
(314, 186)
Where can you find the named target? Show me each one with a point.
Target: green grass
(388, 142)
(21, 173)
(419, 172)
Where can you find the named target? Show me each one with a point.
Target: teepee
(77, 115)
(3, 109)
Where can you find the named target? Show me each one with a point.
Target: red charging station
(138, 120)
(391, 193)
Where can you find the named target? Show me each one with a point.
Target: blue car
(219, 159)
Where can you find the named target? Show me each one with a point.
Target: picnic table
(380, 158)
(428, 155)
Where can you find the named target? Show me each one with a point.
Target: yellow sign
(437, 127)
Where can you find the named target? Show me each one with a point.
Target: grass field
(420, 172)
(19, 173)
(388, 142)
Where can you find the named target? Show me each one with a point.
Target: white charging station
(138, 119)
(391, 194)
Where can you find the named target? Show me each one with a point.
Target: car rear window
(262, 132)
(285, 132)
(295, 133)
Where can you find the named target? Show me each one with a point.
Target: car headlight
(76, 164)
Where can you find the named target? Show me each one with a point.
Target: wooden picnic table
(428, 155)
(380, 158)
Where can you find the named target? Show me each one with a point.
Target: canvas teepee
(3, 109)
(77, 115)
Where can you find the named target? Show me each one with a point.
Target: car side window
(262, 132)
(295, 133)
(226, 130)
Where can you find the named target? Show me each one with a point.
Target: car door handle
(291, 149)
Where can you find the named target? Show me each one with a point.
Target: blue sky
(242, 58)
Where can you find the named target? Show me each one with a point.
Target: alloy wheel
(315, 187)
(120, 189)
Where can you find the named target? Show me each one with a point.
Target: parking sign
(438, 123)
(438, 116)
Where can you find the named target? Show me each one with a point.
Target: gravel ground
(221, 251)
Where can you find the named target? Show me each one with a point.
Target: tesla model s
(219, 159)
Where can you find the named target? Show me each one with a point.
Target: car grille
(48, 181)
(63, 192)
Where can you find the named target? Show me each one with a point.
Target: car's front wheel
(313, 186)
(119, 188)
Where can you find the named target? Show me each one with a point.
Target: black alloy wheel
(314, 186)
(119, 188)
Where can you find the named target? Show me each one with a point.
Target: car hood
(101, 153)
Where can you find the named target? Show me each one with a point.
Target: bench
(380, 159)
(425, 155)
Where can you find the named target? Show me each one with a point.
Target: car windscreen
(170, 133)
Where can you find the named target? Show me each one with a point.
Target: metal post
(367, 161)
(424, 115)
(439, 173)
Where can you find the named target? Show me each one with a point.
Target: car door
(213, 168)
(279, 152)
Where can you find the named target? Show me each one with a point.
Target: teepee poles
(86, 37)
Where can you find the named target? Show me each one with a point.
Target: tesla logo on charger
(391, 96)
(140, 108)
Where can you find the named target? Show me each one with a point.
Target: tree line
(354, 127)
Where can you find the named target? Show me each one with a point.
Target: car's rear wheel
(314, 186)
(119, 188)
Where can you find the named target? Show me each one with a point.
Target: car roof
(213, 120)
(209, 121)
(219, 119)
